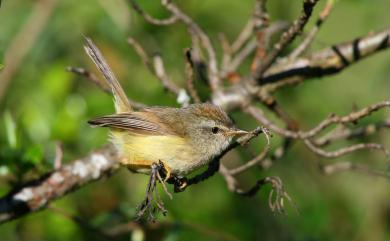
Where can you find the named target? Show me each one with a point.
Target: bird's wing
(144, 122)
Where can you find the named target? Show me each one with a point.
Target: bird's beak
(235, 132)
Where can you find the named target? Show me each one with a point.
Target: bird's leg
(167, 171)
(152, 201)
(147, 202)
(179, 182)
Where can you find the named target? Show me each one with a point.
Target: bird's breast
(140, 151)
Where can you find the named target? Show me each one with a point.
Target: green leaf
(10, 128)
(33, 155)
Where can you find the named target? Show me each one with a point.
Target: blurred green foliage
(44, 104)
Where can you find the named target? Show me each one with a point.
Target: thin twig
(155, 66)
(327, 61)
(344, 133)
(100, 84)
(312, 34)
(189, 70)
(255, 160)
(159, 70)
(90, 76)
(58, 156)
(345, 150)
(258, 114)
(286, 38)
(330, 169)
(251, 45)
(261, 20)
(194, 28)
(169, 21)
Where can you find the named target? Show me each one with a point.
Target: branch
(194, 29)
(37, 194)
(189, 71)
(322, 63)
(286, 38)
(312, 34)
(346, 133)
(327, 61)
(155, 66)
(258, 114)
(169, 21)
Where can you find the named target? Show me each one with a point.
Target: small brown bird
(183, 139)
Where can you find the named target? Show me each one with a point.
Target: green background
(44, 104)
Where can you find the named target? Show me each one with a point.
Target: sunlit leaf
(33, 155)
(10, 128)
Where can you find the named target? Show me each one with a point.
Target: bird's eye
(215, 130)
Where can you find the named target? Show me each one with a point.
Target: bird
(182, 139)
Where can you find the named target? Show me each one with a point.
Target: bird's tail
(121, 101)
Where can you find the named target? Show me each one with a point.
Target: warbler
(183, 139)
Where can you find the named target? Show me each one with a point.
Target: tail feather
(121, 101)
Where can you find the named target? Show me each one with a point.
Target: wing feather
(137, 122)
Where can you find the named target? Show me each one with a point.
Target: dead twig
(155, 66)
(100, 84)
(160, 73)
(169, 21)
(286, 38)
(258, 114)
(194, 29)
(257, 159)
(331, 169)
(312, 34)
(189, 70)
(58, 156)
(346, 150)
(345, 133)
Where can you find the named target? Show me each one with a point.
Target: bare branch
(346, 150)
(352, 117)
(91, 77)
(310, 37)
(101, 84)
(287, 37)
(189, 70)
(325, 62)
(169, 21)
(256, 160)
(155, 66)
(243, 37)
(161, 75)
(251, 46)
(350, 166)
(141, 53)
(36, 194)
(346, 133)
(194, 29)
(58, 156)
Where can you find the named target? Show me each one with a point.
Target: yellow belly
(138, 152)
